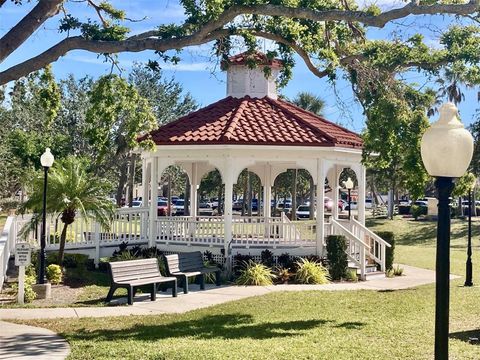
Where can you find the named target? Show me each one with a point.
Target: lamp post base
(43, 291)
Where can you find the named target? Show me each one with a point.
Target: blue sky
(198, 72)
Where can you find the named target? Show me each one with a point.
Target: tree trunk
(390, 204)
(294, 194)
(244, 196)
(131, 179)
(121, 183)
(220, 196)
(312, 199)
(169, 195)
(249, 194)
(186, 198)
(61, 249)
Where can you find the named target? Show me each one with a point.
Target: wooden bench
(185, 265)
(134, 273)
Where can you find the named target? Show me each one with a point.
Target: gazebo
(251, 128)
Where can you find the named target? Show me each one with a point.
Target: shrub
(285, 261)
(390, 273)
(239, 262)
(283, 275)
(54, 274)
(255, 274)
(351, 275)
(416, 211)
(267, 258)
(337, 256)
(311, 272)
(124, 256)
(28, 295)
(389, 237)
(398, 271)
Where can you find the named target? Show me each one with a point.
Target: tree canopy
(328, 35)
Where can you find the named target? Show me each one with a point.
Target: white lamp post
(47, 161)
(447, 150)
(349, 186)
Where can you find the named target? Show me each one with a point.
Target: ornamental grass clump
(253, 273)
(311, 272)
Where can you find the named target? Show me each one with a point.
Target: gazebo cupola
(252, 75)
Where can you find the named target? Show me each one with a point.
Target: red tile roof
(258, 57)
(253, 121)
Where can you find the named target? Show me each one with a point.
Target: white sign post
(23, 255)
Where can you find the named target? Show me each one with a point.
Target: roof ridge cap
(235, 118)
(280, 104)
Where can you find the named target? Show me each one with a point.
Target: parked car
(303, 212)
(328, 204)
(163, 208)
(354, 205)
(136, 203)
(205, 209)
(421, 202)
(368, 203)
(237, 205)
(179, 207)
(214, 203)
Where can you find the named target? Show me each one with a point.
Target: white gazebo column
(152, 233)
(194, 190)
(267, 192)
(335, 192)
(227, 215)
(361, 178)
(145, 193)
(320, 199)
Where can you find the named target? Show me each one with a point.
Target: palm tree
(71, 191)
(309, 102)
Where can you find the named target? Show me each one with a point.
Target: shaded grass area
(290, 325)
(416, 242)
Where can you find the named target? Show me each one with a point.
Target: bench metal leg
(185, 285)
(174, 288)
(218, 280)
(130, 295)
(202, 282)
(110, 293)
(153, 293)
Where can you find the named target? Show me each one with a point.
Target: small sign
(22, 254)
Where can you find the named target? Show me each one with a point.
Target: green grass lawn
(416, 242)
(303, 325)
(306, 325)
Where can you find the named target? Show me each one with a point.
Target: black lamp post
(468, 269)
(47, 161)
(349, 186)
(447, 150)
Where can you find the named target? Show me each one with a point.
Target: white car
(303, 212)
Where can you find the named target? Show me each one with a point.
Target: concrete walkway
(213, 295)
(22, 342)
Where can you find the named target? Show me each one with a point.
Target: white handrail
(371, 233)
(7, 245)
(359, 247)
(349, 233)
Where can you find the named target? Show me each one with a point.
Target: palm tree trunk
(63, 239)
(131, 179)
(121, 183)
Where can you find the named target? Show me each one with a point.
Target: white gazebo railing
(246, 231)
(7, 246)
(175, 232)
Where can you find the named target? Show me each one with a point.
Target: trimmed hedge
(337, 256)
(389, 237)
